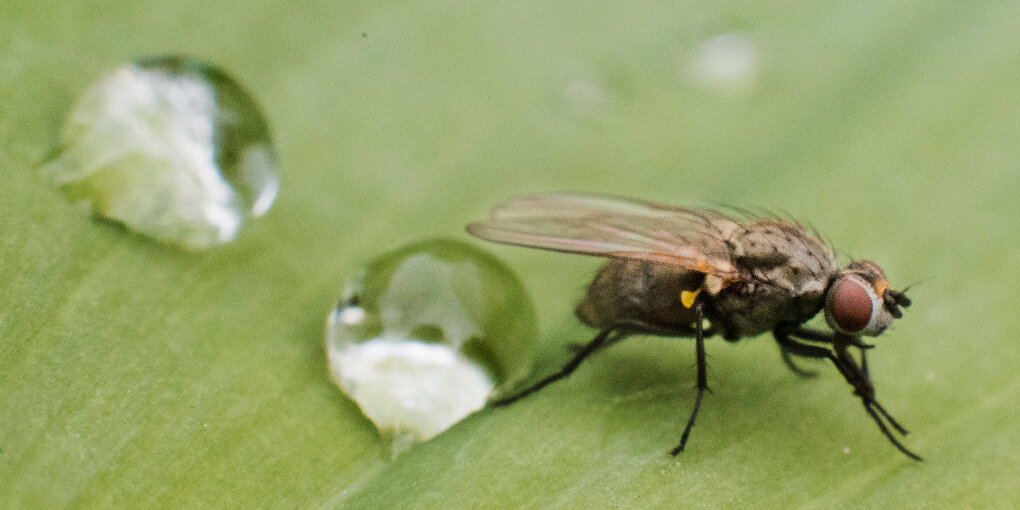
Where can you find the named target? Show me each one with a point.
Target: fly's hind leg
(595, 344)
(639, 328)
(608, 336)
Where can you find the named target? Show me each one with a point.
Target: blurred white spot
(258, 161)
(586, 97)
(727, 63)
(929, 376)
(348, 315)
(846, 450)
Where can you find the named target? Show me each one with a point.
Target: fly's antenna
(915, 284)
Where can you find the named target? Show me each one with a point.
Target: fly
(671, 268)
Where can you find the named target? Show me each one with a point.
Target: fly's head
(860, 302)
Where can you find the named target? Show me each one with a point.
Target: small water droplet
(424, 335)
(727, 63)
(171, 147)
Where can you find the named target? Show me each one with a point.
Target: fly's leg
(642, 328)
(824, 337)
(864, 365)
(867, 390)
(610, 335)
(813, 335)
(592, 346)
(788, 360)
(853, 375)
(857, 377)
(699, 339)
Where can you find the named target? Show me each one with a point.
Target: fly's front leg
(857, 376)
(699, 338)
(864, 365)
(849, 370)
(863, 388)
(866, 390)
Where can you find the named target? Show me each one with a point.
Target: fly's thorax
(782, 252)
(650, 292)
(786, 274)
(785, 258)
(752, 308)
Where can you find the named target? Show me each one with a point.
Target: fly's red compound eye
(852, 307)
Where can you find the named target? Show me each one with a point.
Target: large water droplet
(425, 334)
(171, 147)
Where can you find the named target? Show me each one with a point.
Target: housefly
(672, 268)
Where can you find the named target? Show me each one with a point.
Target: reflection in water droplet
(171, 147)
(726, 63)
(425, 334)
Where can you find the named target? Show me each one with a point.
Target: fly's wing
(617, 227)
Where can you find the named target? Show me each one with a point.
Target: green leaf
(134, 375)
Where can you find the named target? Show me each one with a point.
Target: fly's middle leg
(788, 361)
(699, 338)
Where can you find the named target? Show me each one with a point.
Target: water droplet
(727, 63)
(425, 334)
(171, 147)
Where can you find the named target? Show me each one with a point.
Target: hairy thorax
(785, 273)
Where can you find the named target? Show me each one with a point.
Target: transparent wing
(612, 226)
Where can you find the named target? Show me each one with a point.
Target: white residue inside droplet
(727, 62)
(140, 146)
(411, 389)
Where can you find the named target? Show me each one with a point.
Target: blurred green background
(135, 375)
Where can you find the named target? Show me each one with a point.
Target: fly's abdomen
(637, 290)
